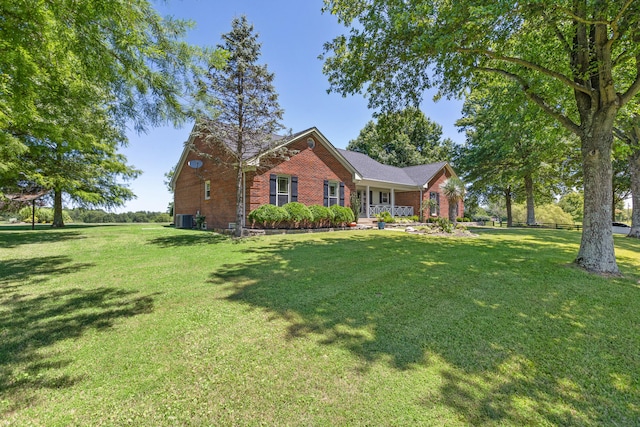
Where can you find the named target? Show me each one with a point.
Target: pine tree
(239, 104)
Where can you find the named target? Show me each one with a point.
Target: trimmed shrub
(322, 216)
(299, 214)
(268, 216)
(342, 215)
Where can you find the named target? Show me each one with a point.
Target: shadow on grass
(199, 238)
(31, 324)
(523, 338)
(13, 239)
(37, 269)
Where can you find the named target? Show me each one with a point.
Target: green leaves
(73, 76)
(406, 138)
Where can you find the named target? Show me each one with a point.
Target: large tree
(240, 105)
(510, 140)
(627, 130)
(405, 138)
(567, 56)
(76, 74)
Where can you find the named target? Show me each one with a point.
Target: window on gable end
(207, 190)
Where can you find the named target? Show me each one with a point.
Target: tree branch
(582, 20)
(620, 14)
(621, 135)
(564, 120)
(560, 77)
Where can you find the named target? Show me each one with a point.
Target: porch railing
(397, 210)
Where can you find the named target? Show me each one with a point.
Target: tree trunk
(57, 209)
(634, 170)
(452, 211)
(239, 202)
(507, 199)
(597, 253)
(528, 185)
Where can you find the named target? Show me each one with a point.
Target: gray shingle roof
(422, 174)
(376, 171)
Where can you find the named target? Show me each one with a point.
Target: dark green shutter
(326, 193)
(272, 188)
(342, 194)
(294, 188)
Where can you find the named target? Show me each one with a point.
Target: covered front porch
(376, 200)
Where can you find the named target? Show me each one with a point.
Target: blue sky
(292, 33)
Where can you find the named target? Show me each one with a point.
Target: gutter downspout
(244, 199)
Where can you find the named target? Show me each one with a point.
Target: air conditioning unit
(184, 221)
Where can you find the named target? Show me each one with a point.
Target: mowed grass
(148, 325)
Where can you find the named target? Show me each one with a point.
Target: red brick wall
(444, 203)
(220, 209)
(311, 166)
(408, 198)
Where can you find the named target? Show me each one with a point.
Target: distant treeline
(92, 216)
(100, 216)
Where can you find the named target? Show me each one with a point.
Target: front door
(363, 207)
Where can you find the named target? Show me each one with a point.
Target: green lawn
(148, 325)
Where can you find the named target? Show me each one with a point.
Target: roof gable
(422, 174)
(252, 158)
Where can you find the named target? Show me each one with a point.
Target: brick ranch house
(315, 173)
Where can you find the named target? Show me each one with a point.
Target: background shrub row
(297, 215)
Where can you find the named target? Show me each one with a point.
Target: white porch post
(393, 203)
(366, 197)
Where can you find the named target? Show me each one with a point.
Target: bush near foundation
(299, 215)
(268, 216)
(322, 216)
(342, 215)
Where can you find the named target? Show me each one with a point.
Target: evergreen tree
(239, 104)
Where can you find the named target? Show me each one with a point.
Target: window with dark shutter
(435, 207)
(283, 191)
(334, 193)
